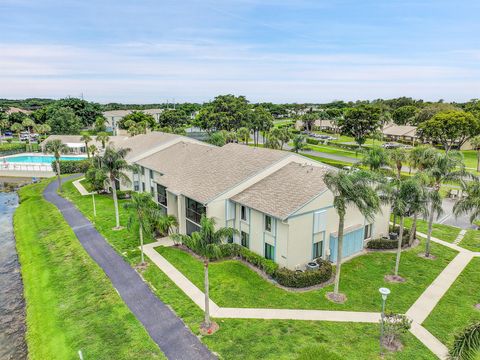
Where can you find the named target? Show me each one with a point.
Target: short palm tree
(93, 150)
(445, 167)
(298, 143)
(57, 148)
(243, 135)
(86, 138)
(205, 243)
(114, 164)
(166, 224)
(467, 344)
(422, 157)
(469, 204)
(103, 137)
(375, 158)
(350, 188)
(144, 213)
(475, 142)
(29, 124)
(17, 128)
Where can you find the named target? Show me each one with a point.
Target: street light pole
(384, 292)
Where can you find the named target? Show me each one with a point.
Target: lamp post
(384, 292)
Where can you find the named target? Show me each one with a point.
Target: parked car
(390, 145)
(24, 135)
(8, 133)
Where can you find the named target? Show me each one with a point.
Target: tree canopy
(360, 122)
(405, 115)
(135, 118)
(173, 118)
(64, 121)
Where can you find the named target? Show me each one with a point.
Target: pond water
(12, 304)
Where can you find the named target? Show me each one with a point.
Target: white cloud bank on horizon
(185, 71)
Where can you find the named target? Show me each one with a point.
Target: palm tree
(114, 164)
(375, 158)
(350, 188)
(4, 124)
(298, 143)
(422, 157)
(397, 157)
(469, 204)
(93, 150)
(243, 135)
(103, 138)
(86, 138)
(144, 212)
(42, 129)
(166, 224)
(285, 135)
(29, 124)
(205, 243)
(17, 128)
(57, 148)
(271, 140)
(475, 142)
(467, 344)
(446, 167)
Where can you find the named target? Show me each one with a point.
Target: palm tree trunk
(478, 160)
(115, 202)
(141, 243)
(430, 225)
(57, 165)
(399, 248)
(207, 302)
(413, 229)
(86, 149)
(394, 222)
(339, 253)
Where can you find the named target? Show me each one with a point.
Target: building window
(143, 186)
(269, 252)
(245, 239)
(142, 170)
(194, 210)
(268, 223)
(152, 191)
(162, 194)
(367, 233)
(151, 174)
(243, 213)
(136, 185)
(317, 249)
(230, 239)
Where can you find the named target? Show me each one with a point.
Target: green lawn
(247, 339)
(471, 240)
(235, 285)
(440, 231)
(71, 304)
(338, 164)
(86, 185)
(456, 309)
(335, 151)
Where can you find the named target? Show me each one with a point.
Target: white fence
(25, 167)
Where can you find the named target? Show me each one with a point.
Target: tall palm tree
(375, 158)
(103, 138)
(422, 157)
(243, 135)
(144, 212)
(86, 138)
(467, 344)
(445, 167)
(57, 148)
(29, 124)
(205, 243)
(4, 124)
(17, 128)
(93, 150)
(350, 188)
(396, 158)
(469, 204)
(114, 164)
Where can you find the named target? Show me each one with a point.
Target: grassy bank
(71, 304)
(247, 339)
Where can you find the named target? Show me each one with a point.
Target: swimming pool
(37, 159)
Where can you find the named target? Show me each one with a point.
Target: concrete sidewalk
(165, 328)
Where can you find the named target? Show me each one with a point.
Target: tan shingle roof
(143, 143)
(285, 191)
(400, 130)
(12, 110)
(203, 172)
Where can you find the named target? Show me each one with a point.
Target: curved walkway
(165, 328)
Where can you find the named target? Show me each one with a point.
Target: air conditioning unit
(311, 266)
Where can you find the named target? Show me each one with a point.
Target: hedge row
(387, 244)
(312, 141)
(72, 166)
(283, 276)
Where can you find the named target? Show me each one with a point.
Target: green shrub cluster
(11, 148)
(235, 250)
(298, 279)
(124, 194)
(386, 244)
(72, 166)
(312, 141)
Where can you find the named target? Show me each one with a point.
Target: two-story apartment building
(276, 200)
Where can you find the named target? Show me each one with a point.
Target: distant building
(113, 117)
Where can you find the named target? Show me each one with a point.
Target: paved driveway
(165, 328)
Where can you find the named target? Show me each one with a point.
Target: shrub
(72, 166)
(395, 325)
(9, 148)
(298, 279)
(312, 141)
(385, 244)
(124, 194)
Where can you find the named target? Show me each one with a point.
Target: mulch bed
(394, 279)
(336, 298)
